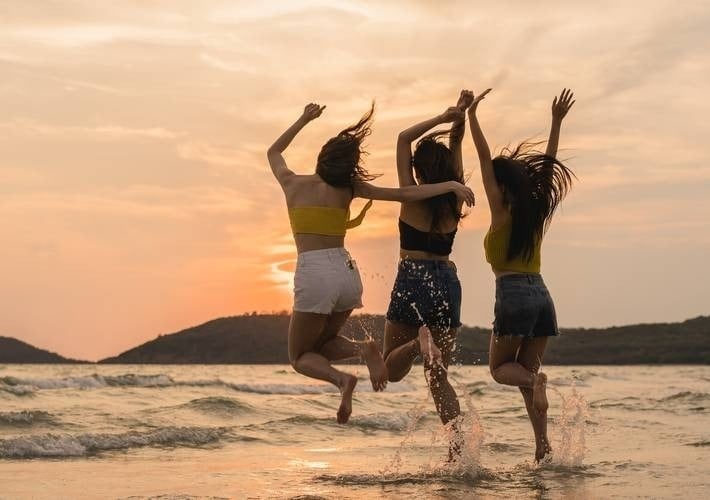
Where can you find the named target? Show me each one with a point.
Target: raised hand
(452, 114)
(561, 105)
(478, 99)
(312, 111)
(465, 100)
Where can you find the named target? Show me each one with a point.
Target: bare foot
(429, 351)
(346, 403)
(540, 394)
(375, 365)
(542, 451)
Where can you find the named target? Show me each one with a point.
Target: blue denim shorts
(426, 292)
(524, 307)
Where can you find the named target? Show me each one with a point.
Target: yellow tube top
(496, 247)
(327, 221)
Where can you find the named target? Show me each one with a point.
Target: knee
(293, 359)
(495, 372)
(394, 377)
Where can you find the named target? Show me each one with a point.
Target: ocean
(241, 431)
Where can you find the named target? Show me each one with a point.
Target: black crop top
(411, 238)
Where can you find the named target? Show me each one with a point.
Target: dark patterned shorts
(524, 307)
(426, 292)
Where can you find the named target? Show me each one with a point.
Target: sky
(135, 197)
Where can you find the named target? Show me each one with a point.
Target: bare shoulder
(314, 191)
(416, 214)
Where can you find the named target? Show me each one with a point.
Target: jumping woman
(523, 188)
(425, 306)
(327, 285)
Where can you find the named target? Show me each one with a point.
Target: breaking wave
(81, 445)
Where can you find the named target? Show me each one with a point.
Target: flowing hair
(535, 184)
(433, 162)
(339, 158)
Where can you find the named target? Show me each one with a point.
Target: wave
(27, 386)
(25, 418)
(451, 475)
(687, 396)
(680, 401)
(372, 422)
(218, 405)
(65, 445)
(17, 390)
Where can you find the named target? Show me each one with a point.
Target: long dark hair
(535, 184)
(433, 162)
(339, 158)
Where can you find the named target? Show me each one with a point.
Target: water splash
(570, 446)
(414, 415)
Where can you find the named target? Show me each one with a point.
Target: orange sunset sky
(135, 198)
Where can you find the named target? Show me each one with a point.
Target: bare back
(418, 215)
(312, 191)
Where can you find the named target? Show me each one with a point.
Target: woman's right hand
(312, 111)
(463, 193)
(561, 105)
(477, 99)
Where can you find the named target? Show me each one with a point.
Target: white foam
(65, 445)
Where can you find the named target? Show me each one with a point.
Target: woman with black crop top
(425, 307)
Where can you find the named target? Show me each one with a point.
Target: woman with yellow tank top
(523, 188)
(327, 285)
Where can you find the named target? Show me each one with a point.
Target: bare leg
(445, 398)
(502, 361)
(336, 347)
(530, 356)
(401, 349)
(427, 346)
(516, 361)
(304, 333)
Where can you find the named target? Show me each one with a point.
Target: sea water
(239, 431)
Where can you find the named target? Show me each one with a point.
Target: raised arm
(275, 152)
(414, 193)
(560, 107)
(496, 201)
(408, 136)
(458, 129)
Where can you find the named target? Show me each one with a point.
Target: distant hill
(262, 339)
(16, 351)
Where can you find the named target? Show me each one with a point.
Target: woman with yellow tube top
(523, 188)
(327, 285)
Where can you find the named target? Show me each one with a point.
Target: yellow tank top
(496, 246)
(327, 221)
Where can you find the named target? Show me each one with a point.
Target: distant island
(16, 351)
(261, 339)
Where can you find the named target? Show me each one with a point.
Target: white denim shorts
(326, 281)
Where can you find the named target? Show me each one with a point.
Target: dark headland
(261, 339)
(16, 351)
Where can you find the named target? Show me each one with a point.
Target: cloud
(132, 167)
